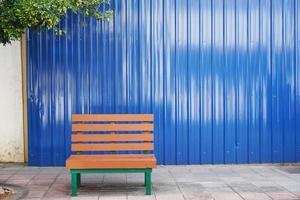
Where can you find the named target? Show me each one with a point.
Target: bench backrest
(112, 132)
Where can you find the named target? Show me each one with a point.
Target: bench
(111, 143)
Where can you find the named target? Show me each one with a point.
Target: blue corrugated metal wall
(221, 76)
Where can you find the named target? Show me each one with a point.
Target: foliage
(18, 15)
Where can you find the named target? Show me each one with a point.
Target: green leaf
(18, 15)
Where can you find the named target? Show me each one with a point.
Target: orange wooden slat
(112, 117)
(112, 156)
(113, 147)
(112, 127)
(110, 165)
(97, 162)
(111, 137)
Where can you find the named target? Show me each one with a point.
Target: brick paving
(199, 182)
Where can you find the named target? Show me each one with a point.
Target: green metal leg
(148, 182)
(74, 177)
(78, 176)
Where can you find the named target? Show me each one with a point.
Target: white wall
(11, 124)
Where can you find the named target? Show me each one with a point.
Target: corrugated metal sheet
(221, 76)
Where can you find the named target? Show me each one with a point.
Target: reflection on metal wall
(221, 76)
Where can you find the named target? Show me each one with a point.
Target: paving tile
(29, 171)
(169, 197)
(186, 179)
(113, 197)
(296, 192)
(92, 176)
(62, 188)
(115, 178)
(205, 175)
(17, 182)
(254, 196)
(264, 183)
(159, 179)
(232, 179)
(22, 176)
(87, 188)
(115, 187)
(210, 184)
(41, 182)
(281, 195)
(264, 170)
(51, 170)
(92, 182)
(37, 187)
(227, 196)
(35, 194)
(14, 167)
(87, 191)
(44, 177)
(85, 198)
(3, 178)
(63, 181)
(272, 188)
(191, 188)
(7, 172)
(244, 187)
(135, 191)
(165, 188)
(295, 189)
(113, 194)
(199, 196)
(65, 174)
(223, 193)
(64, 177)
(141, 197)
(56, 194)
(289, 184)
(56, 198)
(119, 190)
(204, 168)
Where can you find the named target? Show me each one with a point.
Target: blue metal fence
(221, 76)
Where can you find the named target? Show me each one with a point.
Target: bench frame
(140, 138)
(76, 176)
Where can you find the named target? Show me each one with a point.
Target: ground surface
(224, 182)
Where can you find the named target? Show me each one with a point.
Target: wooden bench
(98, 141)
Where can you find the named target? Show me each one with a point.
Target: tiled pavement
(219, 182)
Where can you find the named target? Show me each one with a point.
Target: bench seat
(111, 161)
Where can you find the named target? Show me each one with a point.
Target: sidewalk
(219, 182)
